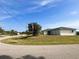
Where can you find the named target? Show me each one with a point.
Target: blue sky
(16, 14)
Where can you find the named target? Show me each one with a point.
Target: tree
(13, 32)
(1, 31)
(34, 28)
(77, 32)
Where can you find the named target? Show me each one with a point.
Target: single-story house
(60, 31)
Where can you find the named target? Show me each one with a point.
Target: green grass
(43, 40)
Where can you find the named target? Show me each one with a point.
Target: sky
(17, 14)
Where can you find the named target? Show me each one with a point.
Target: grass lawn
(43, 40)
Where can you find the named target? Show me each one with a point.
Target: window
(72, 30)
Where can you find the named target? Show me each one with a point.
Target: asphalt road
(46, 51)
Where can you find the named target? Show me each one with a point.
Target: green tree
(34, 28)
(77, 32)
(13, 32)
(1, 31)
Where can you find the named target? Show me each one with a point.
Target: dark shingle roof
(65, 28)
(59, 28)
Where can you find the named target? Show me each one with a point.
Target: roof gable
(60, 28)
(65, 28)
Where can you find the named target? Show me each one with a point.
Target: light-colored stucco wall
(63, 32)
(45, 32)
(67, 32)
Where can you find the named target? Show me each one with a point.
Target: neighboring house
(18, 33)
(60, 31)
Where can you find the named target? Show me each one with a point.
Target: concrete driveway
(46, 51)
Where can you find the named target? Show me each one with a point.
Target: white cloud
(46, 2)
(34, 5)
(74, 13)
(4, 17)
(43, 4)
(6, 12)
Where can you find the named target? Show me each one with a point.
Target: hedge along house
(60, 31)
